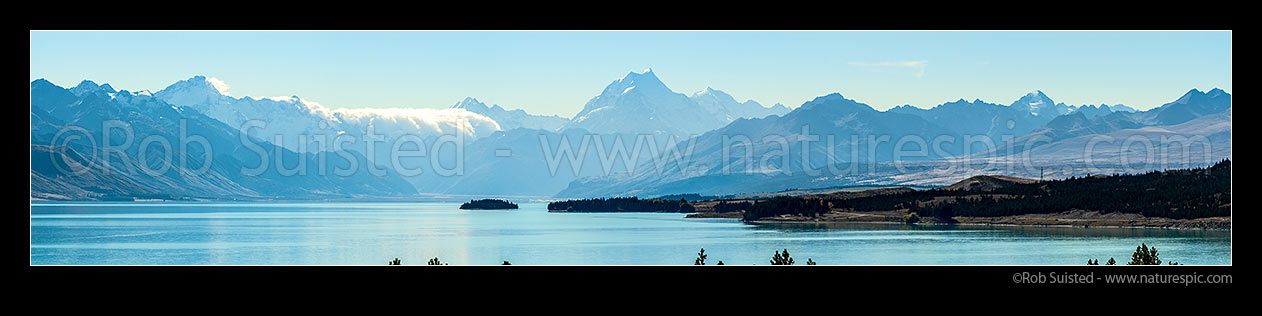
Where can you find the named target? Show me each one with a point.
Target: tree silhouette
(394, 262)
(1177, 194)
(622, 204)
(700, 258)
(1111, 262)
(782, 259)
(1145, 256)
(810, 262)
(435, 262)
(506, 263)
(488, 204)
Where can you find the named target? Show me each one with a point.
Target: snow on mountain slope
(288, 121)
(510, 120)
(845, 132)
(1191, 106)
(721, 104)
(1038, 104)
(140, 171)
(639, 103)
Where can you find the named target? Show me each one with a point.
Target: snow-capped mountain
(293, 122)
(514, 119)
(721, 104)
(1091, 111)
(1038, 104)
(1001, 123)
(639, 103)
(1191, 106)
(844, 132)
(1121, 108)
(88, 86)
(973, 118)
(1063, 138)
(503, 154)
(284, 121)
(88, 170)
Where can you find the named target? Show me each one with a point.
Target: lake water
(164, 233)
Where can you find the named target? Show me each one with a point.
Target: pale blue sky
(557, 72)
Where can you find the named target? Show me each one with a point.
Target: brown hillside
(858, 194)
(987, 183)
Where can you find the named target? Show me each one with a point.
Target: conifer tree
(1144, 256)
(782, 259)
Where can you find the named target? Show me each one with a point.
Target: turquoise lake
(167, 233)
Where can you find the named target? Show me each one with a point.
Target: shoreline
(1072, 219)
(988, 224)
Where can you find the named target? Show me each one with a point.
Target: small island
(488, 204)
(622, 204)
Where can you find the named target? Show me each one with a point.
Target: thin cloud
(918, 65)
(219, 85)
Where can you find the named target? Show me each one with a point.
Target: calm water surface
(373, 233)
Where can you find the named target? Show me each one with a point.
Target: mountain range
(706, 142)
(639, 103)
(80, 151)
(1198, 123)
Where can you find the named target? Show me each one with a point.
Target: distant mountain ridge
(509, 120)
(640, 103)
(1192, 105)
(85, 168)
(845, 125)
(1067, 139)
(294, 119)
(503, 154)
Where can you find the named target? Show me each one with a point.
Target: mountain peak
(471, 104)
(88, 86)
(199, 84)
(709, 91)
(1037, 103)
(644, 81)
(835, 101)
(1195, 95)
(468, 100)
(42, 83)
(646, 75)
(1121, 108)
(196, 90)
(1190, 95)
